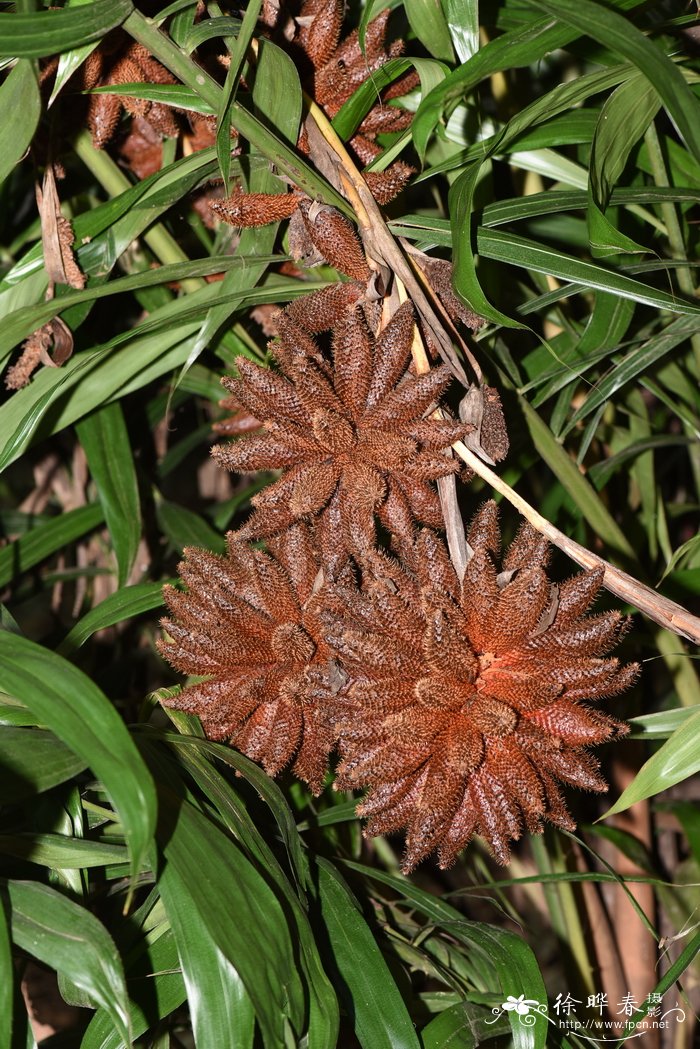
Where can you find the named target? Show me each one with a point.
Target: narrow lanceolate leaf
(60, 852)
(217, 996)
(44, 540)
(105, 440)
(466, 281)
(6, 977)
(462, 17)
(530, 255)
(79, 713)
(428, 23)
(126, 603)
(238, 53)
(241, 913)
(32, 760)
(624, 118)
(18, 94)
(621, 36)
(156, 987)
(505, 957)
(515, 49)
(363, 979)
(676, 760)
(50, 32)
(69, 939)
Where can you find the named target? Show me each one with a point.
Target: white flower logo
(520, 1005)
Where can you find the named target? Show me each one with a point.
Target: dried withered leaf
(349, 434)
(57, 236)
(468, 703)
(249, 621)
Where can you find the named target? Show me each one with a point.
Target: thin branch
(666, 613)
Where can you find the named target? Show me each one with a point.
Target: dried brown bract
(350, 434)
(249, 621)
(468, 701)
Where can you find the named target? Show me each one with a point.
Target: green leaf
(676, 760)
(464, 276)
(7, 977)
(355, 109)
(623, 120)
(184, 527)
(18, 94)
(39, 543)
(462, 17)
(22, 322)
(618, 34)
(427, 21)
(72, 941)
(371, 997)
(75, 709)
(228, 94)
(241, 912)
(217, 996)
(505, 956)
(126, 603)
(105, 440)
(578, 487)
(530, 255)
(50, 32)
(277, 95)
(197, 754)
(513, 50)
(157, 990)
(33, 760)
(167, 94)
(636, 362)
(460, 1026)
(61, 852)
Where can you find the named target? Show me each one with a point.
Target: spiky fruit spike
(336, 239)
(250, 621)
(348, 431)
(386, 185)
(467, 729)
(322, 310)
(321, 22)
(255, 209)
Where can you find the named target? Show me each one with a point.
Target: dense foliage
(157, 887)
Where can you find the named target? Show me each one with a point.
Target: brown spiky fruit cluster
(462, 705)
(249, 621)
(466, 704)
(349, 433)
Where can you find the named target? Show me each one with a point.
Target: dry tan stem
(666, 613)
(378, 241)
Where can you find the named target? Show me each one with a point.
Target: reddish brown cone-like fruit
(467, 701)
(250, 622)
(350, 435)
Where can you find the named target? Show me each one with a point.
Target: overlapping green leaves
(75, 709)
